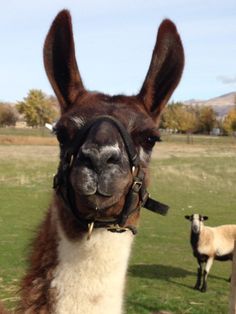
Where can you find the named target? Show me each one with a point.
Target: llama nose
(100, 158)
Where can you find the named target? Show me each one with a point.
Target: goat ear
(165, 69)
(60, 62)
(187, 217)
(205, 217)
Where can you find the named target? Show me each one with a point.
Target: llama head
(101, 175)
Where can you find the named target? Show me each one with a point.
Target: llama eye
(151, 140)
(61, 134)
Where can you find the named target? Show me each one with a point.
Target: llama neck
(90, 275)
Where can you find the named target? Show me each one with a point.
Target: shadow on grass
(163, 272)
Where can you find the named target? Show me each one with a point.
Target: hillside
(221, 104)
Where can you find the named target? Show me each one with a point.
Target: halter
(136, 197)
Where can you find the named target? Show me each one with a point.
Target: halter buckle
(137, 185)
(116, 228)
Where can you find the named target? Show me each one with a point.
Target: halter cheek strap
(136, 197)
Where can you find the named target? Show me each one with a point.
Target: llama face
(100, 173)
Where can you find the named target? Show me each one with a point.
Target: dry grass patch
(27, 140)
(168, 150)
(29, 153)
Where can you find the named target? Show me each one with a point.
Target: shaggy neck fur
(90, 275)
(73, 275)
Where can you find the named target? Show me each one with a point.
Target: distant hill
(221, 104)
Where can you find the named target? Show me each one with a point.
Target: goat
(209, 244)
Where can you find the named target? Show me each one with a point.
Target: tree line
(181, 118)
(37, 108)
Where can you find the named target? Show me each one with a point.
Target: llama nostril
(114, 158)
(84, 159)
(98, 159)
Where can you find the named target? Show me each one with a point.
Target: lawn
(200, 177)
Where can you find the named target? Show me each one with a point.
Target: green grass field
(190, 178)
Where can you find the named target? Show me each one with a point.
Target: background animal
(209, 243)
(80, 254)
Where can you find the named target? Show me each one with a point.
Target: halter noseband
(136, 197)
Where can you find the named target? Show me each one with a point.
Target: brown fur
(138, 114)
(3, 310)
(36, 294)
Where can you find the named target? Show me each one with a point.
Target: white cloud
(227, 79)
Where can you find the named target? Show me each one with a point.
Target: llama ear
(60, 62)
(205, 217)
(187, 217)
(165, 69)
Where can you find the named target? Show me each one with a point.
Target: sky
(114, 40)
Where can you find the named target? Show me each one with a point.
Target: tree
(37, 108)
(169, 119)
(207, 119)
(178, 116)
(8, 115)
(229, 123)
(189, 121)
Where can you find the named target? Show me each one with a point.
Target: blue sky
(114, 41)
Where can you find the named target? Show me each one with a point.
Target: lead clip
(71, 160)
(90, 230)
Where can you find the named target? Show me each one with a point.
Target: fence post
(232, 301)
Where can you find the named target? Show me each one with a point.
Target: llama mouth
(101, 202)
(99, 206)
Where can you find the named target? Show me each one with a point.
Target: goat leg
(206, 272)
(199, 276)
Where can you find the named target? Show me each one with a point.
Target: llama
(209, 244)
(80, 255)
